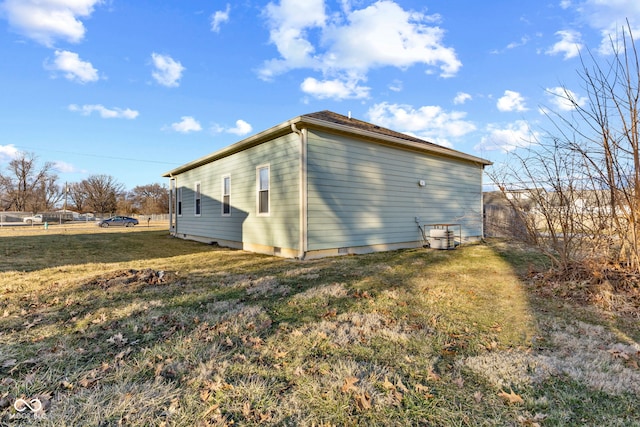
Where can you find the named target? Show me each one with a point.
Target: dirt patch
(132, 277)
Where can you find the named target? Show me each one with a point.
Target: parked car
(32, 219)
(118, 221)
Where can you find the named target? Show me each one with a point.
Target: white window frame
(197, 199)
(259, 190)
(179, 201)
(225, 194)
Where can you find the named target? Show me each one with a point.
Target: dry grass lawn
(131, 327)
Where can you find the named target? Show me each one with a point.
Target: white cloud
(168, 71)
(289, 22)
(431, 123)
(461, 98)
(396, 86)
(334, 89)
(73, 68)
(565, 4)
(523, 41)
(219, 18)
(48, 20)
(8, 152)
(241, 128)
(511, 101)
(384, 34)
(105, 113)
(608, 17)
(345, 45)
(564, 99)
(569, 45)
(64, 167)
(507, 138)
(185, 125)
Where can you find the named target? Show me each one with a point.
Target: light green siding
(279, 229)
(361, 193)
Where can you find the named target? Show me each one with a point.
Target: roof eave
(258, 138)
(301, 121)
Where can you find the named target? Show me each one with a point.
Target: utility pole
(64, 209)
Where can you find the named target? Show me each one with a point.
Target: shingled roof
(333, 122)
(330, 116)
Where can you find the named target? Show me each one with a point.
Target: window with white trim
(198, 200)
(179, 201)
(226, 195)
(263, 187)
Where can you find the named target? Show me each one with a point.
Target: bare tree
(151, 198)
(102, 192)
(25, 186)
(586, 181)
(77, 197)
(47, 195)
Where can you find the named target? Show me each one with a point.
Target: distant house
(325, 184)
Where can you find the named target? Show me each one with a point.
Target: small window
(179, 201)
(198, 200)
(263, 190)
(226, 195)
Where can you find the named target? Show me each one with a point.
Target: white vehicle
(32, 219)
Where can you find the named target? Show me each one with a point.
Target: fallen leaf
(618, 354)
(331, 313)
(388, 385)
(478, 396)
(532, 421)
(424, 390)
(421, 388)
(246, 409)
(123, 353)
(510, 397)
(87, 382)
(363, 401)
(432, 376)
(280, 354)
(263, 418)
(493, 345)
(118, 340)
(349, 384)
(212, 408)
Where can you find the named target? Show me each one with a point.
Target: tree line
(27, 185)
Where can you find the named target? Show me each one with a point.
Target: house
(326, 184)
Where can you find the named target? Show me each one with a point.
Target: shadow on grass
(231, 320)
(83, 332)
(35, 252)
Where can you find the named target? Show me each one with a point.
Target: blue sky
(135, 88)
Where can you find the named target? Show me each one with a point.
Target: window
(226, 194)
(179, 201)
(263, 190)
(198, 200)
